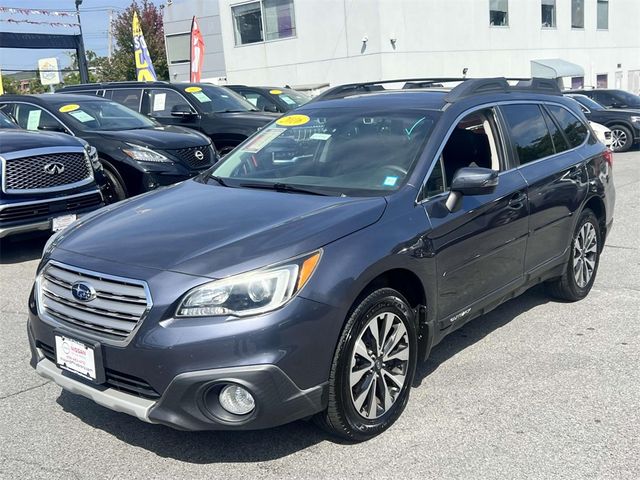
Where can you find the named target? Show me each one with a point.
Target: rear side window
(529, 132)
(162, 101)
(129, 97)
(575, 131)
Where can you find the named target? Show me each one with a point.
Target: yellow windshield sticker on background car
(275, 92)
(193, 89)
(69, 108)
(293, 120)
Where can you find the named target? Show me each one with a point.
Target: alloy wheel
(618, 139)
(379, 365)
(585, 251)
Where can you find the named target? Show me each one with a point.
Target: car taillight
(608, 156)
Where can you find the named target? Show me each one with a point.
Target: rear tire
(582, 267)
(373, 368)
(621, 138)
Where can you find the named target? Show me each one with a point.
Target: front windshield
(92, 115)
(627, 99)
(212, 99)
(290, 97)
(587, 102)
(337, 151)
(5, 121)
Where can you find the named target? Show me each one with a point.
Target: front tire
(373, 368)
(580, 272)
(621, 138)
(114, 190)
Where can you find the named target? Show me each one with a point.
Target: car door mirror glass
(270, 107)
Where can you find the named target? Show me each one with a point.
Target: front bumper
(191, 402)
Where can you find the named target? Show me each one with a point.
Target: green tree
(10, 85)
(122, 65)
(71, 75)
(36, 87)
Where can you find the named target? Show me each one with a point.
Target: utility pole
(110, 34)
(82, 57)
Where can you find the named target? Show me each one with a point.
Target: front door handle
(517, 201)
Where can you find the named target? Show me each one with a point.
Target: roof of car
(132, 84)
(51, 98)
(430, 98)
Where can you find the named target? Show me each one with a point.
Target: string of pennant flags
(35, 22)
(32, 11)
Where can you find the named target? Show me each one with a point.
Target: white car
(603, 133)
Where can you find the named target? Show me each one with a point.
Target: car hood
(215, 231)
(12, 140)
(164, 137)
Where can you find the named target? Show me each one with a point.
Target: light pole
(82, 58)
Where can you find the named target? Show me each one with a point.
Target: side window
(129, 97)
(474, 142)
(259, 101)
(529, 132)
(162, 100)
(604, 98)
(559, 142)
(31, 117)
(573, 128)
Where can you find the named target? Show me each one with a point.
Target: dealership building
(311, 43)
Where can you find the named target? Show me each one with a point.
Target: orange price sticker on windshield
(293, 120)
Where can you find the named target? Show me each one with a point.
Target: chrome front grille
(49, 171)
(116, 310)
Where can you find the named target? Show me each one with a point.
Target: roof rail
(466, 88)
(81, 86)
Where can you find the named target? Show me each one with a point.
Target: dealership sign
(49, 71)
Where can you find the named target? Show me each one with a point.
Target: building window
(548, 13)
(603, 14)
(577, 83)
(602, 80)
(263, 20)
(577, 13)
(178, 48)
(499, 13)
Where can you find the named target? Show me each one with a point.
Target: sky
(94, 16)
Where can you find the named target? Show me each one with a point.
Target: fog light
(237, 400)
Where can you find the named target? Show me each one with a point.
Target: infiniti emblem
(54, 168)
(83, 291)
(199, 155)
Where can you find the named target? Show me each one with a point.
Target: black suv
(623, 123)
(271, 99)
(610, 97)
(48, 180)
(223, 115)
(309, 271)
(137, 153)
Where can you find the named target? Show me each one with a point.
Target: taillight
(608, 156)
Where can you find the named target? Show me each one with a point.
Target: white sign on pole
(49, 71)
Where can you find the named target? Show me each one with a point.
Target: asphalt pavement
(537, 389)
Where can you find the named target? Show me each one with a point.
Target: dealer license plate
(62, 222)
(76, 357)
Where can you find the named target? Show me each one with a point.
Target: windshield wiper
(220, 181)
(284, 187)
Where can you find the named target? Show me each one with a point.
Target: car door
(480, 247)
(544, 146)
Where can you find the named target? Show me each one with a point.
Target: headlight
(635, 119)
(251, 293)
(144, 154)
(93, 156)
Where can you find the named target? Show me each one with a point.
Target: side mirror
(270, 107)
(470, 181)
(181, 110)
(52, 128)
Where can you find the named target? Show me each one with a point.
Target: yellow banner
(144, 66)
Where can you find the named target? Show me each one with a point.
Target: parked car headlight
(635, 119)
(144, 154)
(250, 293)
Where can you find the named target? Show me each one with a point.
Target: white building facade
(315, 42)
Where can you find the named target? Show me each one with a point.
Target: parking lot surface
(535, 389)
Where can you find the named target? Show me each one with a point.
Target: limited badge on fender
(293, 120)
